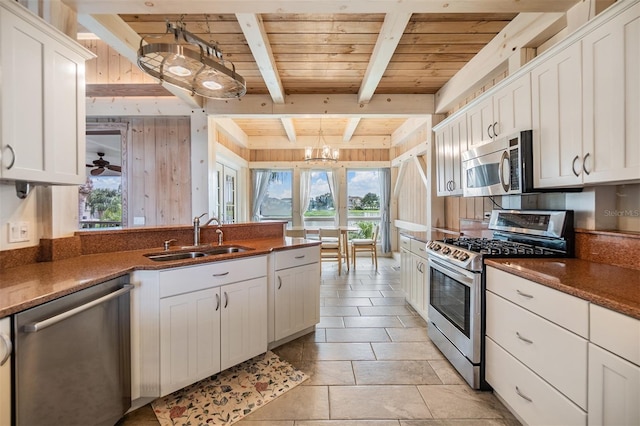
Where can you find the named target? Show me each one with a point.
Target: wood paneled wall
(111, 67)
(229, 143)
(159, 168)
(157, 160)
(412, 198)
(298, 155)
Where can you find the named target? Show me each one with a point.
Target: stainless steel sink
(204, 251)
(225, 249)
(165, 257)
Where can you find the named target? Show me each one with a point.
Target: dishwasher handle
(37, 326)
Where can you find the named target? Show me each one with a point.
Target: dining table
(344, 234)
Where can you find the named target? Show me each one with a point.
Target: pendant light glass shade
(322, 153)
(192, 64)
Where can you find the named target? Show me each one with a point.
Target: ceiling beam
(350, 129)
(337, 105)
(123, 39)
(390, 34)
(231, 129)
(281, 142)
(256, 36)
(289, 128)
(314, 6)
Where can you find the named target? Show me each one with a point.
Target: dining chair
(331, 246)
(296, 233)
(366, 245)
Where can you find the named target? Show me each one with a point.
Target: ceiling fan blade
(98, 171)
(114, 168)
(90, 165)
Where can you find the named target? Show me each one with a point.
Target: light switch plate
(18, 232)
(138, 220)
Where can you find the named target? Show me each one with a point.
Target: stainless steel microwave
(500, 167)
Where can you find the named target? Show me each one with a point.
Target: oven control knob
(446, 250)
(436, 247)
(455, 253)
(463, 257)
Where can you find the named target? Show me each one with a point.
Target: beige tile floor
(371, 364)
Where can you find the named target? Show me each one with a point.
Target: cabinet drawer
(405, 242)
(615, 332)
(565, 310)
(555, 354)
(534, 400)
(419, 248)
(292, 258)
(214, 274)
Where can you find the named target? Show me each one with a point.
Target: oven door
(455, 306)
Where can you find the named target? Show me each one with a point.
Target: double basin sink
(195, 253)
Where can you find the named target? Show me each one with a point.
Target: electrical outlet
(18, 232)
(487, 215)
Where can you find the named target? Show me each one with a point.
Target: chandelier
(191, 63)
(322, 153)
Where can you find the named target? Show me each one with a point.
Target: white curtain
(305, 192)
(332, 179)
(384, 176)
(259, 187)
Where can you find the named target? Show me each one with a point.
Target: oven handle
(37, 326)
(463, 278)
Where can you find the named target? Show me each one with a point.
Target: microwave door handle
(505, 185)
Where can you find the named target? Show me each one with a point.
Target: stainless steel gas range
(457, 283)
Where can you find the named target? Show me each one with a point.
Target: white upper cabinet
(503, 114)
(557, 119)
(611, 66)
(586, 106)
(451, 142)
(42, 113)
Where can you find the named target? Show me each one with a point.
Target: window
(101, 202)
(277, 203)
(363, 200)
(321, 210)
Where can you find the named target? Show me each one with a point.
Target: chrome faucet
(220, 235)
(211, 220)
(196, 229)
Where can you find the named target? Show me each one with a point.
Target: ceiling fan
(101, 165)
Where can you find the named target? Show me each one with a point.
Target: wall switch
(18, 232)
(138, 220)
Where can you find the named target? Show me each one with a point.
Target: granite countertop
(26, 286)
(612, 287)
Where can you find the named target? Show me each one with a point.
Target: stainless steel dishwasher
(72, 358)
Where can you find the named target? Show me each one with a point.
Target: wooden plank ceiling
(316, 50)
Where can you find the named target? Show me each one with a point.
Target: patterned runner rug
(227, 397)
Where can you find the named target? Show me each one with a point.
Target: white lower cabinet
(614, 368)
(5, 371)
(536, 349)
(418, 291)
(243, 321)
(614, 389)
(531, 398)
(189, 338)
(296, 291)
(191, 322)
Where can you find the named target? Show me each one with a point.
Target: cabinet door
(512, 107)
(297, 299)
(443, 140)
(22, 59)
(43, 130)
(406, 270)
(614, 389)
(243, 321)
(189, 338)
(557, 119)
(611, 66)
(5, 371)
(480, 123)
(417, 284)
